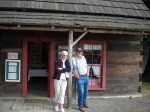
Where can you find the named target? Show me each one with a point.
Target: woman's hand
(60, 68)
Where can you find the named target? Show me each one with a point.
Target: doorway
(38, 67)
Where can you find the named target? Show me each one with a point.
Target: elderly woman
(62, 67)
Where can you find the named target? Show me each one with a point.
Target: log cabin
(33, 33)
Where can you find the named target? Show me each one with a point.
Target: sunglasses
(64, 55)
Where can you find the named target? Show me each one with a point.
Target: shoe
(62, 110)
(56, 109)
(81, 109)
(86, 106)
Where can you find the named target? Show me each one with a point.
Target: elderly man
(81, 73)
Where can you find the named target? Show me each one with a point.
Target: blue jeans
(83, 85)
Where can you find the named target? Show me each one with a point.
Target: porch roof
(126, 8)
(129, 15)
(72, 20)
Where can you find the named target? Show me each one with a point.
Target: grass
(146, 88)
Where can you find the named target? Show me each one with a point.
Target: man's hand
(76, 76)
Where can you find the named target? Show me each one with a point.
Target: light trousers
(60, 89)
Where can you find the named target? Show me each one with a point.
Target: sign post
(12, 70)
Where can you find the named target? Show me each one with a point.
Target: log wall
(9, 42)
(123, 64)
(123, 60)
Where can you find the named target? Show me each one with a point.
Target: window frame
(102, 85)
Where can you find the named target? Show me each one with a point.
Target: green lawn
(146, 88)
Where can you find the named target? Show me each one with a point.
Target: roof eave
(75, 29)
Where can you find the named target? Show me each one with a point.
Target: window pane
(88, 59)
(96, 59)
(88, 53)
(97, 49)
(87, 49)
(96, 71)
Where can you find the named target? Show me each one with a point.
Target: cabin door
(95, 54)
(37, 72)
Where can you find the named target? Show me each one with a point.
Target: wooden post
(70, 43)
(70, 46)
(24, 68)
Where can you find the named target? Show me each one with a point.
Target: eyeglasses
(64, 55)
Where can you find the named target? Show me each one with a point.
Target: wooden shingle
(119, 7)
(71, 20)
(95, 14)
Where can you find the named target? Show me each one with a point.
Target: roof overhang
(66, 29)
(75, 22)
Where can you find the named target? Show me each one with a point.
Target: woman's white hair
(64, 53)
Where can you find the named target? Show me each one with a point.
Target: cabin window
(94, 53)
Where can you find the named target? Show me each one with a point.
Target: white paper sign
(12, 69)
(12, 55)
(12, 76)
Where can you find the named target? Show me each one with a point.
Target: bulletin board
(12, 70)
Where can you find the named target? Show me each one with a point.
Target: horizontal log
(124, 58)
(114, 91)
(130, 75)
(122, 89)
(11, 86)
(121, 69)
(122, 82)
(123, 47)
(62, 29)
(110, 38)
(124, 38)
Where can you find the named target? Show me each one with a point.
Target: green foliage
(146, 40)
(146, 88)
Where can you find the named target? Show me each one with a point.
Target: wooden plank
(28, 106)
(12, 87)
(122, 89)
(119, 69)
(76, 8)
(122, 81)
(110, 31)
(18, 104)
(114, 76)
(92, 9)
(64, 19)
(108, 10)
(49, 105)
(96, 9)
(34, 4)
(38, 106)
(102, 10)
(81, 8)
(114, 91)
(123, 47)
(131, 58)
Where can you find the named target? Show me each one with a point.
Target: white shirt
(79, 65)
(63, 75)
